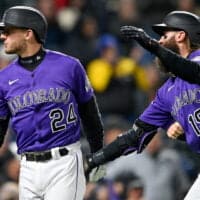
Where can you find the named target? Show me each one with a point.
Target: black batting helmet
(181, 20)
(26, 17)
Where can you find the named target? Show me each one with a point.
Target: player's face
(168, 40)
(14, 40)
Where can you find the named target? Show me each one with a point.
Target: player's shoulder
(59, 56)
(7, 72)
(170, 82)
(195, 56)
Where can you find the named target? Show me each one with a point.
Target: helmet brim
(161, 28)
(2, 25)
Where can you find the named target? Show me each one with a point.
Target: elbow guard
(124, 142)
(132, 140)
(114, 150)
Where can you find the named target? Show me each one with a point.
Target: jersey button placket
(36, 107)
(32, 80)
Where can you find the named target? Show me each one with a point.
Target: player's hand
(97, 173)
(94, 170)
(138, 34)
(132, 32)
(175, 131)
(89, 165)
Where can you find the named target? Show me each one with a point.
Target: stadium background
(125, 80)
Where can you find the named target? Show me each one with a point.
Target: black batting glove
(94, 170)
(132, 32)
(138, 34)
(95, 159)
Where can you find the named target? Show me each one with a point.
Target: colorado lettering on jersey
(30, 98)
(185, 98)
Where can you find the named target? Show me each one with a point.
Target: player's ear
(29, 34)
(181, 36)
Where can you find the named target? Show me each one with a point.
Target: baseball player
(46, 95)
(176, 100)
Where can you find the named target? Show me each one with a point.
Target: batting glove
(138, 34)
(97, 173)
(94, 168)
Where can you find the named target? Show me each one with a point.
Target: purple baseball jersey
(177, 100)
(44, 103)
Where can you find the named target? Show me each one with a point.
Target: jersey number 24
(58, 121)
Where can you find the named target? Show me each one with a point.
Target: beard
(171, 45)
(160, 65)
(15, 47)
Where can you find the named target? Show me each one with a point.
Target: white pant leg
(61, 178)
(28, 179)
(194, 192)
(70, 184)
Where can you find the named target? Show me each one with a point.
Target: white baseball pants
(194, 192)
(61, 178)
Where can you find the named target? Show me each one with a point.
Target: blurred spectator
(11, 169)
(153, 77)
(61, 3)
(103, 190)
(153, 10)
(100, 12)
(4, 4)
(113, 126)
(70, 15)
(9, 191)
(126, 13)
(5, 156)
(83, 43)
(190, 160)
(160, 169)
(122, 181)
(114, 79)
(55, 35)
(135, 190)
(9, 163)
(79, 4)
(188, 5)
(68, 18)
(90, 188)
(5, 59)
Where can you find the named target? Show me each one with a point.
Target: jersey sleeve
(157, 113)
(4, 110)
(174, 63)
(82, 87)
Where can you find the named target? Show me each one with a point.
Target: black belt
(44, 156)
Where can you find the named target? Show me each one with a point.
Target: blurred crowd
(125, 79)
